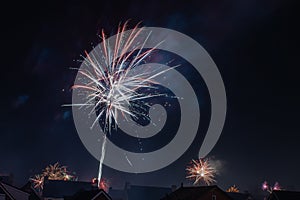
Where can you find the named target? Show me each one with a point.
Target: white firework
(201, 170)
(112, 86)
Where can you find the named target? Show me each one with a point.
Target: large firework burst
(111, 84)
(52, 172)
(201, 170)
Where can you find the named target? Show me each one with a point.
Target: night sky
(253, 43)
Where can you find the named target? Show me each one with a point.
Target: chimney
(11, 178)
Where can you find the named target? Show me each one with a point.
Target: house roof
(239, 196)
(89, 195)
(60, 189)
(29, 189)
(13, 192)
(146, 192)
(116, 194)
(284, 195)
(5, 192)
(193, 193)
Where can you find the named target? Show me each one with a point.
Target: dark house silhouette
(284, 195)
(9, 192)
(116, 194)
(135, 192)
(198, 193)
(146, 192)
(33, 195)
(240, 196)
(90, 195)
(58, 189)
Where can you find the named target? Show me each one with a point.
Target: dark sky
(253, 43)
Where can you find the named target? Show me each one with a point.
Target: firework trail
(101, 160)
(112, 86)
(201, 170)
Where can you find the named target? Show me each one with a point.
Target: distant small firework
(38, 181)
(52, 172)
(268, 188)
(233, 189)
(104, 184)
(277, 186)
(201, 170)
(57, 172)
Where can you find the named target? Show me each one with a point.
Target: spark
(112, 86)
(201, 170)
(128, 160)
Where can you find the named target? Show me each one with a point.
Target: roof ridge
(150, 186)
(5, 190)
